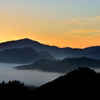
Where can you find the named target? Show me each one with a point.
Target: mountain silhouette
(79, 84)
(91, 54)
(23, 55)
(63, 66)
(59, 53)
(47, 56)
(22, 43)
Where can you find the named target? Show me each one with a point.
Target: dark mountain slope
(45, 65)
(90, 54)
(81, 84)
(22, 43)
(47, 56)
(63, 66)
(57, 52)
(92, 49)
(24, 55)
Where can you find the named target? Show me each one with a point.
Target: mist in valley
(29, 77)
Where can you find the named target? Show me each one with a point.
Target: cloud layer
(81, 21)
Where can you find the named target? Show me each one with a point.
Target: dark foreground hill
(63, 66)
(81, 84)
(23, 55)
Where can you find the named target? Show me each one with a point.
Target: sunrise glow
(63, 23)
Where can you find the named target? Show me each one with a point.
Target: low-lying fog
(34, 77)
(29, 77)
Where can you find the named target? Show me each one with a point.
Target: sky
(62, 23)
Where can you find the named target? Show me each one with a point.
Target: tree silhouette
(79, 84)
(13, 89)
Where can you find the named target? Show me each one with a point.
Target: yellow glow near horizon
(59, 23)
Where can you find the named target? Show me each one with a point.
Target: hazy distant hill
(59, 53)
(63, 66)
(23, 55)
(81, 84)
(47, 56)
(55, 51)
(91, 54)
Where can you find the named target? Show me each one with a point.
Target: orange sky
(57, 22)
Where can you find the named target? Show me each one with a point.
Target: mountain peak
(26, 39)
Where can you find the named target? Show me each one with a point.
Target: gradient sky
(63, 23)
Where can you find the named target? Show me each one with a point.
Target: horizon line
(48, 44)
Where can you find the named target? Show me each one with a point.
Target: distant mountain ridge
(59, 53)
(22, 43)
(63, 66)
(23, 55)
